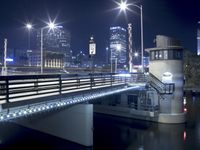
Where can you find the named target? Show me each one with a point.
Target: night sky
(175, 18)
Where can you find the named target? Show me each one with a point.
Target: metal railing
(162, 88)
(30, 87)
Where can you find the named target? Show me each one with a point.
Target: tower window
(166, 55)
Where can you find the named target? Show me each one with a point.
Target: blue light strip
(55, 104)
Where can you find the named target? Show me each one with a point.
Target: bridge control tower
(166, 65)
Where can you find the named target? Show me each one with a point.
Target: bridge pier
(74, 123)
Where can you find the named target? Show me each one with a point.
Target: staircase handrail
(162, 88)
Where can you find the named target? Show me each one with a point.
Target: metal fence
(29, 87)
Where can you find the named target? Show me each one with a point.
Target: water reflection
(134, 134)
(13, 136)
(193, 98)
(184, 135)
(139, 135)
(114, 133)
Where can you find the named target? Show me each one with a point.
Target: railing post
(7, 90)
(111, 79)
(60, 85)
(36, 85)
(91, 81)
(102, 79)
(125, 79)
(78, 81)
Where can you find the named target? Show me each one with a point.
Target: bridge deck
(46, 91)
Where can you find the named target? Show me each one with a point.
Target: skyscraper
(198, 39)
(56, 41)
(118, 46)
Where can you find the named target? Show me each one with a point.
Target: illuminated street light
(51, 26)
(124, 6)
(29, 26)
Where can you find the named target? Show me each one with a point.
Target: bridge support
(74, 123)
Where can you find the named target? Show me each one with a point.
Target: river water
(114, 133)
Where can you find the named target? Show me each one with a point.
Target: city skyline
(100, 74)
(87, 18)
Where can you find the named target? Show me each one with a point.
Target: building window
(177, 54)
(152, 57)
(166, 55)
(160, 55)
(170, 54)
(156, 55)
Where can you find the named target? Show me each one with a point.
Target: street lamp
(51, 26)
(124, 6)
(29, 27)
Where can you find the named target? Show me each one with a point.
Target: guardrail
(29, 87)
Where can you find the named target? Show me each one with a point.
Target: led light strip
(42, 107)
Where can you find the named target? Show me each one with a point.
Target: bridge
(67, 96)
(157, 96)
(22, 95)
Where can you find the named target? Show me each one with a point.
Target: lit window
(165, 54)
(156, 55)
(160, 55)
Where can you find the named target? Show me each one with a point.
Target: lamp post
(29, 27)
(51, 26)
(123, 6)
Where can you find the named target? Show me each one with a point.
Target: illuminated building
(118, 46)
(56, 43)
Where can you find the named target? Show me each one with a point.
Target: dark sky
(176, 18)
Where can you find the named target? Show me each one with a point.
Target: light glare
(123, 6)
(136, 54)
(29, 26)
(51, 25)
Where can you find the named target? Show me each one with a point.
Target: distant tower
(92, 47)
(198, 39)
(118, 46)
(130, 46)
